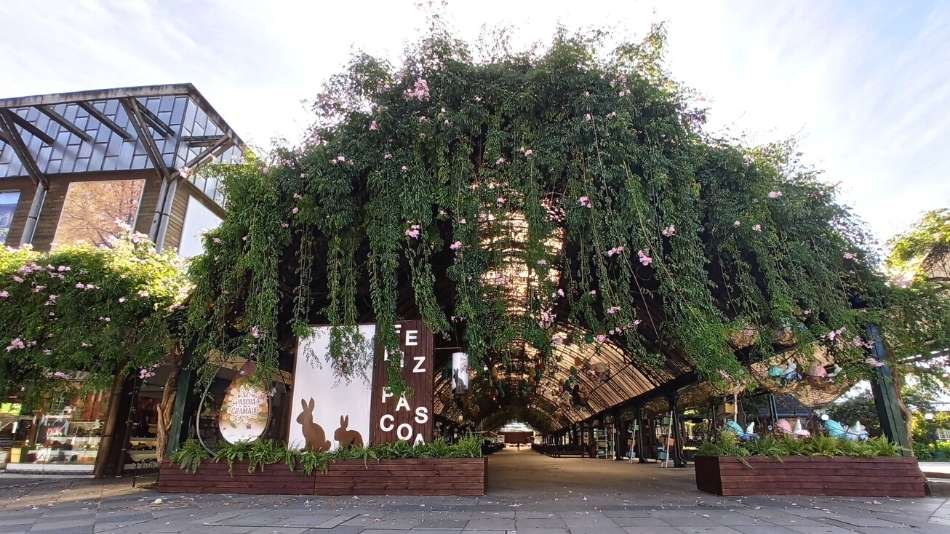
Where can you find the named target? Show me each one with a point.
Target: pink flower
(457, 245)
(874, 362)
(80, 285)
(215, 240)
(121, 300)
(295, 211)
(835, 333)
(737, 223)
(373, 126)
(17, 279)
(775, 194)
(387, 155)
(413, 231)
(500, 161)
(341, 158)
(528, 153)
(584, 201)
(106, 319)
(419, 91)
(848, 256)
(757, 227)
(600, 338)
(669, 231)
(284, 225)
(612, 114)
(255, 332)
(615, 251)
(501, 201)
(297, 196)
(37, 289)
(4, 294)
(560, 292)
(404, 168)
(588, 117)
(15, 344)
(645, 259)
(612, 310)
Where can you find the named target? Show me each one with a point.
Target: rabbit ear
(342, 422)
(346, 421)
(311, 404)
(303, 404)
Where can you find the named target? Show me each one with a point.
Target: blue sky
(864, 86)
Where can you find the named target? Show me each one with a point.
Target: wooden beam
(3, 138)
(28, 126)
(132, 109)
(104, 120)
(208, 153)
(152, 119)
(61, 120)
(201, 140)
(12, 137)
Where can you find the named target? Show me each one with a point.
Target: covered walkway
(534, 479)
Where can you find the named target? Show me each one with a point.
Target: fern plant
(189, 456)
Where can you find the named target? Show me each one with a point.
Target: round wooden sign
(245, 412)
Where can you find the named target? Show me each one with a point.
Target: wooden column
(885, 394)
(620, 436)
(677, 451)
(179, 427)
(639, 440)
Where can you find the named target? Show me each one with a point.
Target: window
(95, 212)
(8, 202)
(198, 220)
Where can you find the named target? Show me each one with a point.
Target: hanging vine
(637, 227)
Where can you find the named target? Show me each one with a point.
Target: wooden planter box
(811, 475)
(422, 476)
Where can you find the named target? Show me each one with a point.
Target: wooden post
(677, 452)
(638, 444)
(885, 395)
(178, 427)
(620, 436)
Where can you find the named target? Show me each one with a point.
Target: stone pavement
(527, 494)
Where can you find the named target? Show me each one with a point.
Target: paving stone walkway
(527, 494)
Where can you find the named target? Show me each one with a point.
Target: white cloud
(864, 88)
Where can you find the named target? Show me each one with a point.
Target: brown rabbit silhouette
(312, 432)
(347, 438)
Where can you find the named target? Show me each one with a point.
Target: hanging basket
(812, 390)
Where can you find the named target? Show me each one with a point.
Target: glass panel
(8, 202)
(198, 220)
(95, 212)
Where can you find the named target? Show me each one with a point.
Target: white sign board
(329, 411)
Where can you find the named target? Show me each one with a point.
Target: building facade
(82, 167)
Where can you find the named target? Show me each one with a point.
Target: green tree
(84, 311)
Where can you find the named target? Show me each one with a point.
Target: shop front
(65, 432)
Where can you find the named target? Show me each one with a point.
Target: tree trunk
(103, 466)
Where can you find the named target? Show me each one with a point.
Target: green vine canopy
(526, 201)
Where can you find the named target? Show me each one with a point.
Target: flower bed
(409, 476)
(820, 465)
(266, 467)
(810, 475)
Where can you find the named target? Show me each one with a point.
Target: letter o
(408, 431)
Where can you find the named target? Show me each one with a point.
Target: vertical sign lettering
(407, 417)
